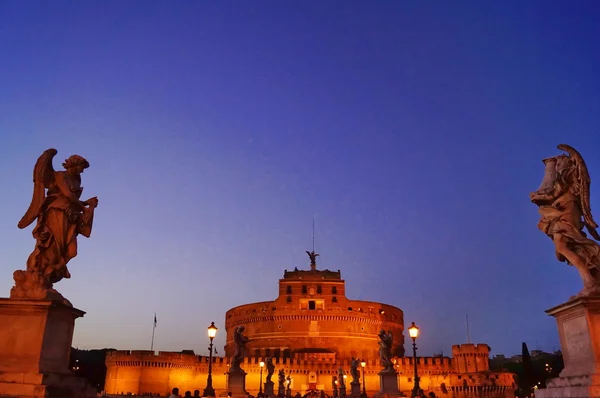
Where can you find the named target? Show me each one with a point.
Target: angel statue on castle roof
(563, 200)
(61, 216)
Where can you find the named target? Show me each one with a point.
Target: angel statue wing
(584, 189)
(43, 178)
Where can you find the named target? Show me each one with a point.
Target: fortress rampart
(143, 372)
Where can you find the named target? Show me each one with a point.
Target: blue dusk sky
(412, 132)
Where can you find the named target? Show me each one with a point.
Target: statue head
(76, 161)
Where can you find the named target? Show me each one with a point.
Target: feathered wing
(43, 177)
(584, 189)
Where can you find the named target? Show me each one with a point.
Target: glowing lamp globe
(363, 364)
(261, 364)
(212, 330)
(413, 331)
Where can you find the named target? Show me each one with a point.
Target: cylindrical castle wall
(351, 331)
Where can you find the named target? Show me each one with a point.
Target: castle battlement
(471, 349)
(147, 372)
(136, 358)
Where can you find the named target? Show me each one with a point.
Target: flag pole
(468, 330)
(153, 329)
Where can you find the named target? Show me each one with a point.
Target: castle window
(334, 299)
(289, 289)
(311, 305)
(334, 290)
(349, 308)
(319, 289)
(289, 299)
(303, 289)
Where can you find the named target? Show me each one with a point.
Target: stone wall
(471, 358)
(143, 372)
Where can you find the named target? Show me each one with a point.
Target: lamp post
(363, 364)
(262, 365)
(413, 331)
(209, 391)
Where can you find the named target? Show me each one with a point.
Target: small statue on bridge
(354, 364)
(240, 348)
(385, 350)
(270, 369)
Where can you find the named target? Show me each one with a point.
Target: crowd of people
(311, 394)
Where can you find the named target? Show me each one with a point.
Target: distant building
(311, 329)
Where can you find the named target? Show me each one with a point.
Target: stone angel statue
(281, 376)
(385, 350)
(270, 369)
(313, 258)
(563, 200)
(240, 347)
(354, 364)
(61, 216)
(341, 381)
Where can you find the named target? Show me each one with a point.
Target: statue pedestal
(355, 389)
(236, 383)
(388, 381)
(269, 389)
(35, 345)
(281, 390)
(578, 323)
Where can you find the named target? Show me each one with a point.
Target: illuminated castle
(310, 330)
(313, 319)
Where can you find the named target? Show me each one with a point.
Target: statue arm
(550, 196)
(66, 192)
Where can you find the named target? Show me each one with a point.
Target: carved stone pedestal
(578, 323)
(355, 389)
(342, 389)
(35, 345)
(236, 383)
(281, 390)
(269, 389)
(389, 384)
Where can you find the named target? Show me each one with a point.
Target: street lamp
(413, 332)
(209, 391)
(363, 364)
(262, 365)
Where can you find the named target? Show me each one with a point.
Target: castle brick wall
(471, 358)
(141, 372)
